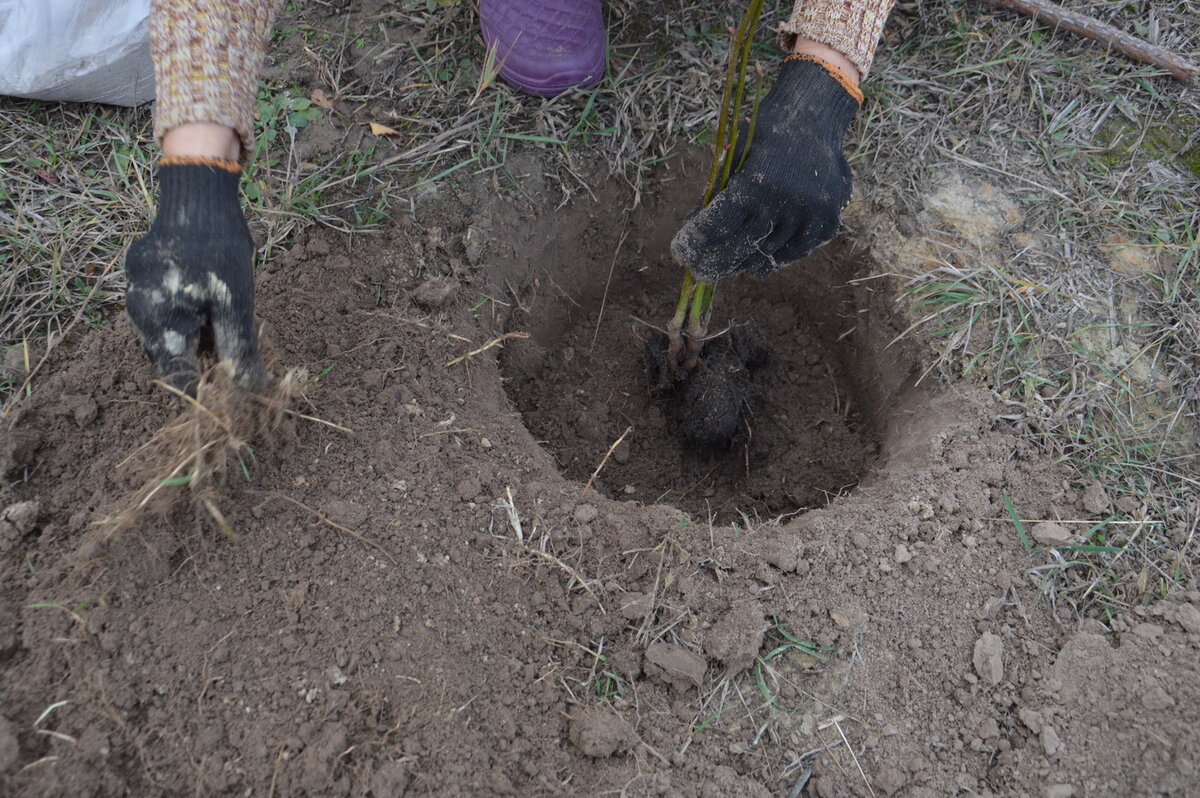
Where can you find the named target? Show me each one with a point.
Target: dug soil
(436, 602)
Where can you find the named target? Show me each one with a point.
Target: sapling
(688, 328)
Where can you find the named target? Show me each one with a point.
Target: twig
(316, 420)
(494, 342)
(330, 522)
(604, 460)
(835, 723)
(1088, 27)
(578, 577)
(607, 283)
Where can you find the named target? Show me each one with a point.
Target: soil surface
(430, 604)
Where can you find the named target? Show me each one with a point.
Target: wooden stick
(1091, 28)
(494, 342)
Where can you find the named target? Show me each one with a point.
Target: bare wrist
(826, 53)
(202, 139)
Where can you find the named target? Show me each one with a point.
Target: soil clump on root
(712, 401)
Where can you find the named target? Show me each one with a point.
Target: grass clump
(210, 440)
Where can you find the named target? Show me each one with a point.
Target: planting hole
(816, 411)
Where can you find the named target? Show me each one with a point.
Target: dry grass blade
(195, 449)
(604, 461)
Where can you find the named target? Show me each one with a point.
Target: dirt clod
(1049, 533)
(988, 658)
(435, 292)
(675, 664)
(735, 639)
(1095, 499)
(599, 733)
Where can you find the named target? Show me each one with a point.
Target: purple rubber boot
(545, 47)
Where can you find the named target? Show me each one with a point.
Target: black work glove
(787, 198)
(191, 280)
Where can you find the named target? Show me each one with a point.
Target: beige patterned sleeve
(852, 27)
(207, 58)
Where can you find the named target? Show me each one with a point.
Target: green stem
(749, 25)
(758, 84)
(721, 146)
(685, 299)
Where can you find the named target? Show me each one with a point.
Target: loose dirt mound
(428, 606)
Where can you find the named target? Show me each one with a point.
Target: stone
(676, 664)
(989, 658)
(586, 513)
(1189, 618)
(1049, 533)
(1050, 740)
(1095, 499)
(435, 292)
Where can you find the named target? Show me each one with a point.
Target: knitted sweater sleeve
(852, 27)
(207, 59)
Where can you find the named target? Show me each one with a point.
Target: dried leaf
(321, 99)
(382, 130)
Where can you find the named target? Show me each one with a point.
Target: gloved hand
(788, 196)
(191, 281)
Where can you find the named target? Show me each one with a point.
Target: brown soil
(450, 616)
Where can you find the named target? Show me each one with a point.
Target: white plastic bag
(77, 50)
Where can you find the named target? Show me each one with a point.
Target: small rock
(599, 733)
(390, 779)
(1059, 791)
(902, 555)
(21, 516)
(989, 729)
(1095, 499)
(435, 292)
(677, 664)
(989, 658)
(737, 636)
(1032, 719)
(1049, 533)
(1189, 618)
(84, 409)
(1148, 630)
(1050, 741)
(1128, 504)
(586, 513)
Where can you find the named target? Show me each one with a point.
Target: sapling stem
(694, 305)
